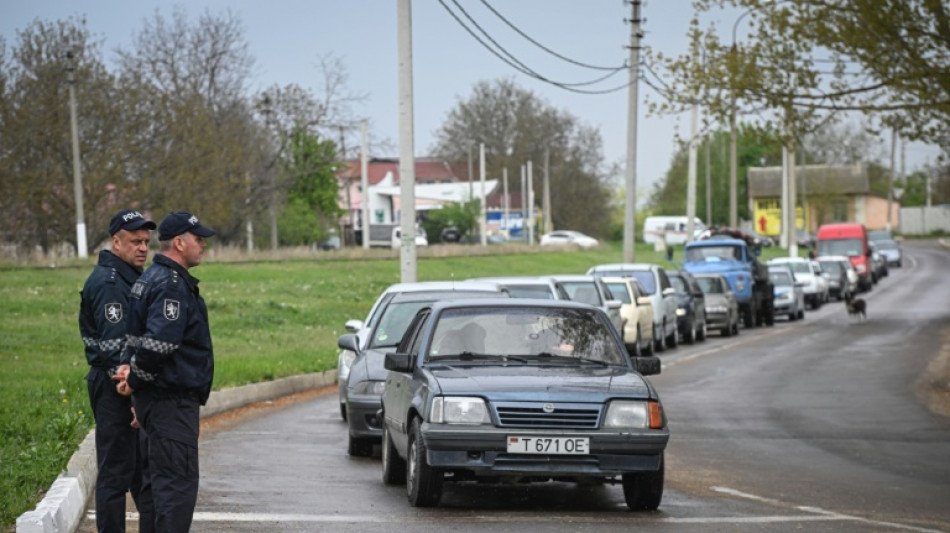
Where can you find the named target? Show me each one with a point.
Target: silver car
(657, 287)
(362, 386)
(789, 293)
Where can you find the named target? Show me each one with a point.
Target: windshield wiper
(570, 359)
(472, 356)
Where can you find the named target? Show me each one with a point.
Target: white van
(421, 239)
(672, 227)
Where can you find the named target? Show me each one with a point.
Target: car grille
(561, 415)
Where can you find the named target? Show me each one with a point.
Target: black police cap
(180, 222)
(130, 220)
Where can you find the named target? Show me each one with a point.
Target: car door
(668, 293)
(398, 394)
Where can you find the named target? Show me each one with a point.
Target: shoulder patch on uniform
(171, 309)
(113, 274)
(113, 312)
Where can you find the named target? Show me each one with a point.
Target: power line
(545, 48)
(516, 64)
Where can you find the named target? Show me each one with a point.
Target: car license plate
(549, 445)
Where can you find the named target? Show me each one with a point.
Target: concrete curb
(61, 510)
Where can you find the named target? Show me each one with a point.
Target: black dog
(856, 306)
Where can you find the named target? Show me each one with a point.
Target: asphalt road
(812, 425)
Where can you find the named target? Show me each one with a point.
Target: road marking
(721, 347)
(826, 514)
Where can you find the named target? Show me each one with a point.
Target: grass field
(269, 319)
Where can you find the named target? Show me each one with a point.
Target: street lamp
(81, 248)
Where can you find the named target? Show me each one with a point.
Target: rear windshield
(618, 291)
(541, 292)
(782, 279)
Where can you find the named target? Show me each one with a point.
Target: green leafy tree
(312, 197)
(462, 216)
(516, 126)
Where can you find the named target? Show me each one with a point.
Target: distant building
(437, 183)
(824, 193)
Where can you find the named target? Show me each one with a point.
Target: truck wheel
(770, 317)
(748, 317)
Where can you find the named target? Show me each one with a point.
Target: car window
(713, 253)
(542, 335)
(832, 267)
(664, 279)
(849, 247)
(710, 285)
(618, 291)
(395, 317)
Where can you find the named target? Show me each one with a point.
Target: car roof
(423, 296)
(832, 258)
(779, 260)
(506, 280)
(515, 303)
(573, 277)
(615, 267)
(419, 286)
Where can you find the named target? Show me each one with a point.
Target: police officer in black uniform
(102, 321)
(171, 367)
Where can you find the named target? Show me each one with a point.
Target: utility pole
(630, 206)
(709, 217)
(81, 247)
(530, 204)
(691, 173)
(471, 188)
(890, 178)
(483, 217)
(504, 180)
(364, 184)
(546, 194)
(407, 159)
(524, 207)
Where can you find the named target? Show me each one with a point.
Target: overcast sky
(288, 37)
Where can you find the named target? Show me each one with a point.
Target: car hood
(714, 299)
(544, 383)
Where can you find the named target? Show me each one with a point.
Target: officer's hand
(123, 388)
(121, 372)
(135, 419)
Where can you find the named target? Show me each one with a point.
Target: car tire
(701, 332)
(749, 317)
(643, 491)
(343, 411)
(690, 336)
(423, 483)
(647, 348)
(394, 467)
(673, 339)
(659, 339)
(359, 447)
(801, 313)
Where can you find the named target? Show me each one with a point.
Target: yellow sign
(767, 214)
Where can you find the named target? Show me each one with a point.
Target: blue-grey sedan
(519, 390)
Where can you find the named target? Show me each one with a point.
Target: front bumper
(362, 415)
(717, 320)
(482, 451)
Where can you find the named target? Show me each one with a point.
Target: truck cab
(738, 263)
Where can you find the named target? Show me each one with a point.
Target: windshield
(780, 279)
(710, 285)
(679, 284)
(582, 291)
(618, 291)
(524, 333)
(541, 292)
(849, 247)
(833, 267)
(713, 253)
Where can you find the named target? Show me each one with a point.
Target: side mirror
(614, 304)
(644, 300)
(353, 325)
(399, 362)
(800, 284)
(647, 366)
(669, 291)
(349, 341)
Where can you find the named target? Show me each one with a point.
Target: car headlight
(369, 387)
(680, 311)
(633, 414)
(459, 410)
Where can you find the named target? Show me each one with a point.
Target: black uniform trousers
(171, 423)
(117, 453)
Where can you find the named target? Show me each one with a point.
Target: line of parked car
(533, 378)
